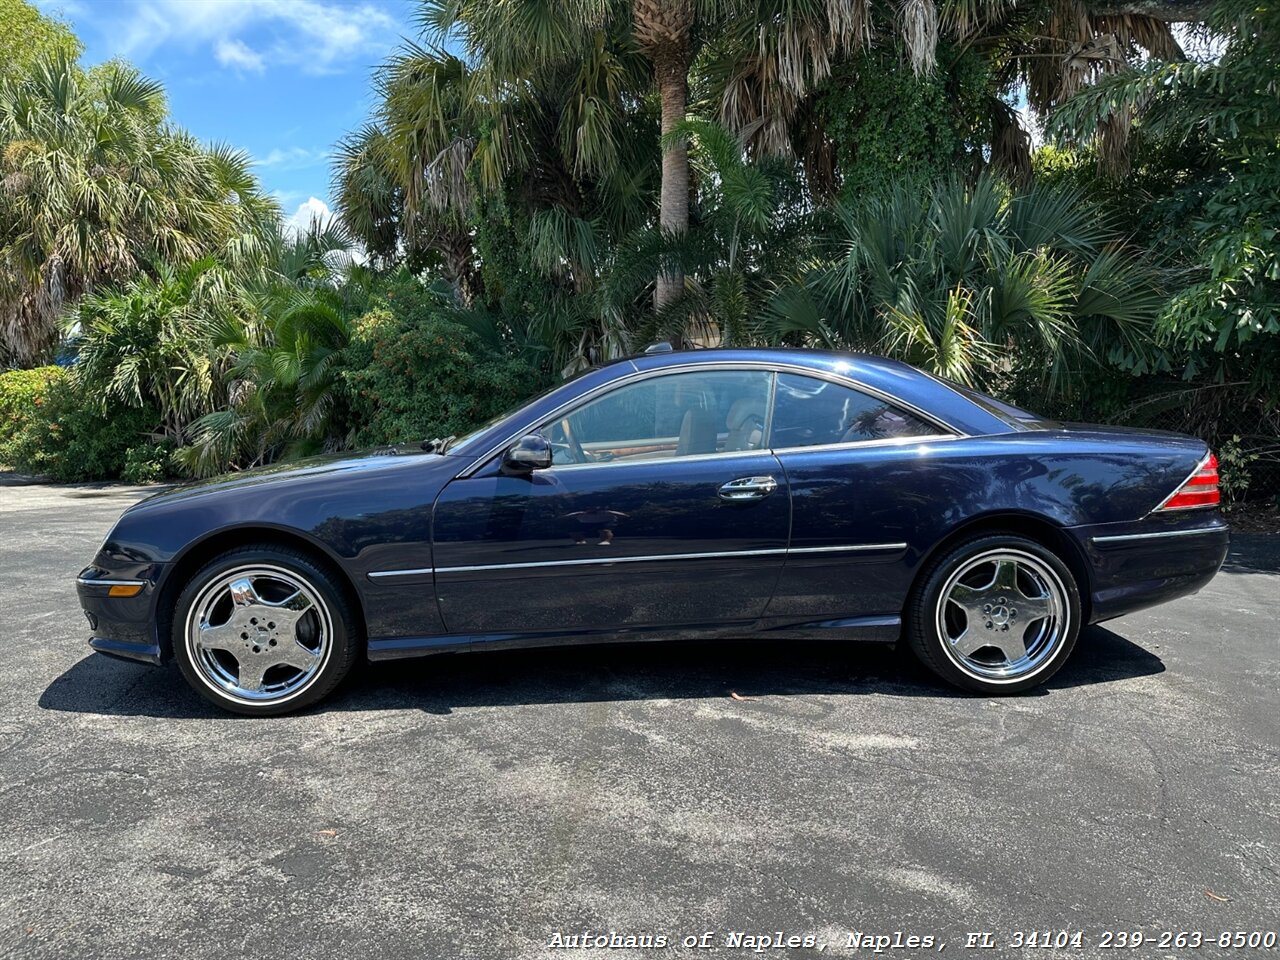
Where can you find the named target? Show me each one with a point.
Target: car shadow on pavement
(1253, 553)
(620, 672)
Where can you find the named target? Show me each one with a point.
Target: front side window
(809, 412)
(678, 415)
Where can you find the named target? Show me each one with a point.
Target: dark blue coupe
(731, 493)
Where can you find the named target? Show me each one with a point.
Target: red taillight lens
(1201, 490)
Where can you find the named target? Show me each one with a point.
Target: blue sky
(282, 80)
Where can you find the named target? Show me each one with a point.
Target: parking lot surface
(484, 805)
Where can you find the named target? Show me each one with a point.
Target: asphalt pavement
(499, 805)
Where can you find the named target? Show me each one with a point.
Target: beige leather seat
(746, 425)
(697, 433)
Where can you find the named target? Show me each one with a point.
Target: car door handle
(748, 488)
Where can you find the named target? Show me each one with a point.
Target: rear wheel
(996, 614)
(264, 630)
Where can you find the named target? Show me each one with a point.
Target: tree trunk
(673, 212)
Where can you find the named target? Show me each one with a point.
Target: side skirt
(878, 629)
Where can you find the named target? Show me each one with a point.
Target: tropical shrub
(146, 344)
(22, 395)
(425, 375)
(148, 463)
(1209, 127)
(57, 434)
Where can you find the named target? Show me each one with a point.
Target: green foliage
(98, 187)
(1210, 130)
(146, 344)
(26, 35)
(22, 395)
(283, 382)
(49, 429)
(148, 463)
(888, 123)
(1233, 469)
(414, 373)
(975, 283)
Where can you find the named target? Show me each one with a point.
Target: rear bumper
(1140, 564)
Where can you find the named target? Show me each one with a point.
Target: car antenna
(663, 346)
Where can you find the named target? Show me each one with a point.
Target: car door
(855, 462)
(661, 509)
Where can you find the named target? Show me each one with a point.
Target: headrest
(742, 411)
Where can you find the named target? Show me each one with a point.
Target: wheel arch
(1033, 526)
(196, 554)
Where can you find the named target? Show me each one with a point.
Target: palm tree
(142, 344)
(277, 347)
(96, 187)
(973, 283)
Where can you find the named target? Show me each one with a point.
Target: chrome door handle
(748, 488)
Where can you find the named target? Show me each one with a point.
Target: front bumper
(1151, 561)
(122, 627)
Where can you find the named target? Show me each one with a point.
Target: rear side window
(808, 412)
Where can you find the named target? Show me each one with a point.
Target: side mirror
(531, 452)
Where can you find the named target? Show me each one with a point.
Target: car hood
(373, 459)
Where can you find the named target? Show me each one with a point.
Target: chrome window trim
(1119, 538)
(860, 444)
(949, 430)
(90, 582)
(609, 561)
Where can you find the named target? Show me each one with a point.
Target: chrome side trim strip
(856, 546)
(90, 582)
(1120, 538)
(376, 574)
(606, 561)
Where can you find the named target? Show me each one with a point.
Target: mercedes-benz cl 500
(714, 493)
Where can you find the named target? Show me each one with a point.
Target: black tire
(329, 619)
(925, 637)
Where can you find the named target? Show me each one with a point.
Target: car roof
(912, 386)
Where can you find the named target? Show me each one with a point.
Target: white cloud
(314, 209)
(294, 158)
(235, 53)
(318, 36)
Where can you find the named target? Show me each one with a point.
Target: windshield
(458, 442)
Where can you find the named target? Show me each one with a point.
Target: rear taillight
(1200, 490)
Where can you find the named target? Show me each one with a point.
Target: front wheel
(264, 630)
(997, 614)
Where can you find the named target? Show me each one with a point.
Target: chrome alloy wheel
(259, 633)
(1002, 615)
